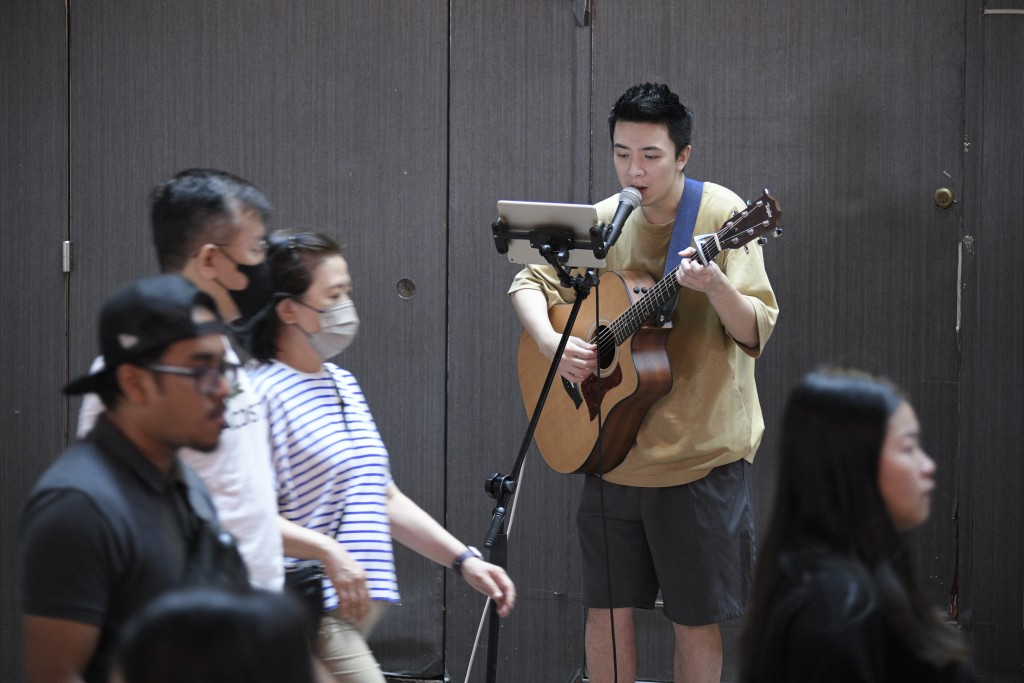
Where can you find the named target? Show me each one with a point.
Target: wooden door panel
(519, 111)
(337, 111)
(992, 600)
(839, 114)
(33, 221)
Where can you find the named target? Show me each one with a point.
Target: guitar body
(631, 377)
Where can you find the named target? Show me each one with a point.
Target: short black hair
(654, 103)
(197, 206)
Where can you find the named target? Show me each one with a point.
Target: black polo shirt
(104, 532)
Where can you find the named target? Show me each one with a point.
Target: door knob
(943, 198)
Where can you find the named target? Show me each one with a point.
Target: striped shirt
(331, 466)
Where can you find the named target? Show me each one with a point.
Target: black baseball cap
(145, 317)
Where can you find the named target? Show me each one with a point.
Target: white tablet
(528, 224)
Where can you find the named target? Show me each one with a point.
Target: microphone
(629, 199)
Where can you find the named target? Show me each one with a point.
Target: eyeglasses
(258, 251)
(207, 377)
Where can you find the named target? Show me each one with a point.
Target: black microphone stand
(553, 244)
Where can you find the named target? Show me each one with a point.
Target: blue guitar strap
(682, 233)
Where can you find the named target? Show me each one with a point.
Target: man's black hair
(654, 103)
(198, 206)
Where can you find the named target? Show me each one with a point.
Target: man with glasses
(209, 226)
(118, 519)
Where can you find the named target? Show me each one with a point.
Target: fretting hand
(693, 274)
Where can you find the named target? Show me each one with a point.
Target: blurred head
(210, 226)
(312, 306)
(205, 635)
(163, 357)
(905, 472)
(851, 469)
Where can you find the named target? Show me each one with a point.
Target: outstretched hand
(492, 581)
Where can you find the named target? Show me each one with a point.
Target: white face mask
(338, 326)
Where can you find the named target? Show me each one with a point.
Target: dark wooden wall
(396, 126)
(991, 502)
(338, 112)
(512, 137)
(831, 111)
(33, 225)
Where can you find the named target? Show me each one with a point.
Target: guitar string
(610, 336)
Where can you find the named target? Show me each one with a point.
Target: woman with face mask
(836, 596)
(333, 476)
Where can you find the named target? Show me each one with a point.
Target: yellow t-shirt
(711, 416)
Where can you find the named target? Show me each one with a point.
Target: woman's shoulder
(345, 380)
(270, 378)
(257, 372)
(839, 588)
(824, 623)
(347, 385)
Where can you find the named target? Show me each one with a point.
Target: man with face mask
(209, 226)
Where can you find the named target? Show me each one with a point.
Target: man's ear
(135, 382)
(205, 260)
(285, 309)
(684, 156)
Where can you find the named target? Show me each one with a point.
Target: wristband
(469, 552)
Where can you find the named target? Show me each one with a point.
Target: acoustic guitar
(589, 427)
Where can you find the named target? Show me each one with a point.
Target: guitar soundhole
(605, 341)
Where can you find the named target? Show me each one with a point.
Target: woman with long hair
(836, 596)
(335, 489)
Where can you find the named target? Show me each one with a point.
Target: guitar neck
(645, 308)
(758, 218)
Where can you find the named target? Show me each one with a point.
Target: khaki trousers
(343, 650)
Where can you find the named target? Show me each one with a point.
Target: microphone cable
(601, 482)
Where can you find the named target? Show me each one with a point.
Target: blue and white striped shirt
(330, 464)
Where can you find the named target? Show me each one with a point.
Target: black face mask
(257, 291)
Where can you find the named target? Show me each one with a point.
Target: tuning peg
(766, 191)
(746, 249)
(749, 202)
(733, 214)
(777, 232)
(762, 240)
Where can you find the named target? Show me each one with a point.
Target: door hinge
(66, 256)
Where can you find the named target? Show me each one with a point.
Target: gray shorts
(694, 542)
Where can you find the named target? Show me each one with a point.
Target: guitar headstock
(759, 218)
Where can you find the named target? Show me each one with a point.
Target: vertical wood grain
(849, 115)
(992, 506)
(337, 110)
(33, 222)
(519, 80)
